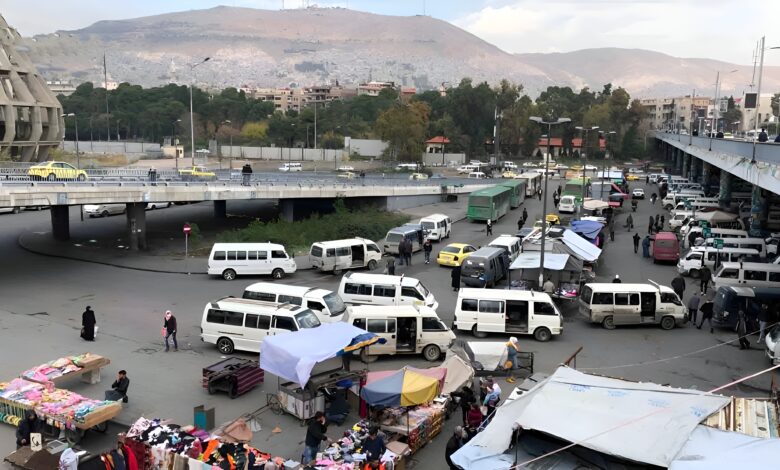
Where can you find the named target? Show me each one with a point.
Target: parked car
(347, 168)
(103, 210)
(157, 205)
(567, 204)
(347, 175)
(53, 171)
(638, 193)
(633, 177)
(509, 174)
(418, 176)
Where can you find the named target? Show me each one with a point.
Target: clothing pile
(566, 290)
(519, 284)
(58, 367)
(158, 445)
(347, 452)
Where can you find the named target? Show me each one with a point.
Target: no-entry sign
(186, 229)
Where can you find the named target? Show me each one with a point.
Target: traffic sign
(704, 224)
(186, 229)
(717, 243)
(707, 232)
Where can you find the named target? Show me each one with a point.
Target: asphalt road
(41, 299)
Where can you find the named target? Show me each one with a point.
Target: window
(330, 253)
(469, 305)
(543, 308)
(357, 289)
(236, 255)
(384, 291)
(602, 298)
(344, 251)
(360, 323)
(372, 247)
(491, 306)
(264, 296)
(307, 319)
(694, 256)
(774, 277)
(755, 275)
(289, 299)
(469, 249)
(432, 324)
(285, 323)
(315, 305)
(216, 316)
(234, 318)
(377, 326)
(670, 298)
(262, 322)
(278, 254)
(257, 255)
(411, 292)
(316, 251)
(219, 256)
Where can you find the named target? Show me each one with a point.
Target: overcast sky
(718, 29)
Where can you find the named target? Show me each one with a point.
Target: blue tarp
(587, 228)
(292, 356)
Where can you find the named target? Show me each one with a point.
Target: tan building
(373, 88)
(675, 113)
(285, 99)
(31, 122)
(765, 114)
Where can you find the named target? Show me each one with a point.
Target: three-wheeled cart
(234, 375)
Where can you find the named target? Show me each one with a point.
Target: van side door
(343, 259)
(383, 328)
(627, 311)
(283, 324)
(260, 262)
(256, 328)
(492, 316)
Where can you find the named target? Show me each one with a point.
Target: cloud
(716, 29)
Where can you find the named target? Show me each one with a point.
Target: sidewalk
(42, 243)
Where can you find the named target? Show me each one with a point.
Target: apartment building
(677, 112)
(285, 99)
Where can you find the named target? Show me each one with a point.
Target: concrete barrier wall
(281, 154)
(92, 146)
(436, 159)
(365, 147)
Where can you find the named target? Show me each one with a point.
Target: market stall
(488, 358)
(86, 365)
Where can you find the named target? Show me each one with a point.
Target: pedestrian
(466, 399)
(678, 285)
(246, 174)
(612, 230)
(512, 348)
(693, 306)
(650, 225)
(520, 223)
(88, 324)
(391, 265)
(763, 321)
(153, 176)
(691, 239)
(657, 219)
(169, 330)
(548, 287)
(653, 197)
(629, 222)
(373, 445)
(556, 199)
(706, 314)
(647, 179)
(646, 247)
(525, 215)
(762, 136)
(636, 238)
(489, 227)
(315, 434)
(29, 425)
(704, 276)
(617, 279)
(408, 248)
(661, 227)
(492, 398)
(456, 442)
(473, 419)
(539, 193)
(559, 191)
(427, 248)
(741, 329)
(455, 278)
(119, 388)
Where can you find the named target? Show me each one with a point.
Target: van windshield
(307, 319)
(316, 251)
(430, 226)
(394, 237)
(421, 289)
(335, 304)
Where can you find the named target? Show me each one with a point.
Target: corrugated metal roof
(752, 416)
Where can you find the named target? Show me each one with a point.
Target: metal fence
(120, 147)
(768, 152)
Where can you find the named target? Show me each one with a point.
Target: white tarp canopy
(459, 373)
(595, 204)
(531, 260)
(643, 422)
(712, 449)
(583, 249)
(716, 216)
(489, 353)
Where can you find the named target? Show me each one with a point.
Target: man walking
(617, 279)
(693, 306)
(456, 442)
(539, 193)
(704, 276)
(489, 227)
(650, 226)
(391, 265)
(763, 321)
(520, 223)
(408, 247)
(401, 249)
(646, 247)
(455, 278)
(661, 227)
(629, 222)
(427, 248)
(636, 238)
(691, 239)
(706, 314)
(315, 434)
(657, 227)
(525, 215)
(246, 174)
(678, 285)
(741, 329)
(169, 330)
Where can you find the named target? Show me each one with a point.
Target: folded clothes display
(347, 454)
(567, 290)
(60, 367)
(519, 284)
(419, 424)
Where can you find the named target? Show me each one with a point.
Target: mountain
(316, 45)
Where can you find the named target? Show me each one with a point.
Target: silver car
(103, 210)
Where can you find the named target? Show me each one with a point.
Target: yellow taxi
(418, 177)
(348, 175)
(197, 172)
(538, 223)
(633, 177)
(454, 254)
(53, 171)
(553, 219)
(509, 174)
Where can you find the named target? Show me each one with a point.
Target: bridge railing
(768, 152)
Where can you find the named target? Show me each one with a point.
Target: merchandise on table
(419, 424)
(519, 284)
(567, 290)
(347, 453)
(64, 366)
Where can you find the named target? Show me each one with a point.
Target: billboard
(750, 100)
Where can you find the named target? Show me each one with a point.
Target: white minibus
(758, 244)
(338, 255)
(692, 261)
(436, 227)
(326, 304)
(238, 259)
(747, 274)
(510, 243)
(613, 304)
(383, 289)
(290, 167)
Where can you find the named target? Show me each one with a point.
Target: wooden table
(89, 372)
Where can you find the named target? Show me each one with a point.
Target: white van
(631, 304)
(290, 167)
(476, 175)
(338, 255)
(510, 243)
(695, 205)
(483, 311)
(716, 232)
(734, 224)
(242, 324)
(747, 274)
(406, 329)
(326, 304)
(436, 226)
(233, 259)
(466, 169)
(383, 289)
(758, 244)
(410, 232)
(672, 199)
(692, 261)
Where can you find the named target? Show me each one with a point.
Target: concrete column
(758, 212)
(705, 176)
(136, 225)
(286, 209)
(220, 209)
(724, 196)
(686, 167)
(60, 223)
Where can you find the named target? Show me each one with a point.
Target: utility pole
(105, 84)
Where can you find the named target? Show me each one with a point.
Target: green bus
(518, 191)
(489, 203)
(573, 187)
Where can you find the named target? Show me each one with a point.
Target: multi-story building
(675, 113)
(373, 88)
(285, 99)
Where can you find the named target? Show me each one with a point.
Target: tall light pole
(549, 125)
(716, 108)
(175, 144)
(230, 159)
(76, 122)
(583, 144)
(192, 120)
(315, 125)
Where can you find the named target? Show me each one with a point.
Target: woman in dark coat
(455, 276)
(88, 324)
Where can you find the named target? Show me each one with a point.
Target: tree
(732, 114)
(254, 132)
(403, 127)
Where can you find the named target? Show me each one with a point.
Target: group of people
(656, 224)
(373, 446)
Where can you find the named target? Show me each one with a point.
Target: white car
(157, 205)
(530, 164)
(103, 210)
(550, 172)
(346, 168)
(771, 246)
(567, 204)
(477, 175)
(638, 193)
(591, 167)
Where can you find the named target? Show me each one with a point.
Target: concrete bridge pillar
(705, 176)
(136, 225)
(686, 167)
(220, 209)
(60, 223)
(758, 212)
(724, 196)
(287, 209)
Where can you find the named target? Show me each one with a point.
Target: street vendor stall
(87, 366)
(488, 358)
(564, 270)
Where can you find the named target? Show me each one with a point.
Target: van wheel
(372, 265)
(477, 333)
(431, 352)
(694, 273)
(337, 271)
(277, 273)
(228, 274)
(225, 346)
(104, 214)
(542, 334)
(367, 358)
(608, 323)
(667, 323)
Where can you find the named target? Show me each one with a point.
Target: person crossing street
(427, 248)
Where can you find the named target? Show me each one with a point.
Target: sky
(726, 30)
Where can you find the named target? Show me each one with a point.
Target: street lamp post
(549, 125)
(76, 123)
(175, 144)
(192, 120)
(716, 108)
(583, 145)
(230, 158)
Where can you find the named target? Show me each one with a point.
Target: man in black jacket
(315, 434)
(170, 330)
(678, 285)
(246, 174)
(119, 387)
(455, 443)
(704, 276)
(29, 425)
